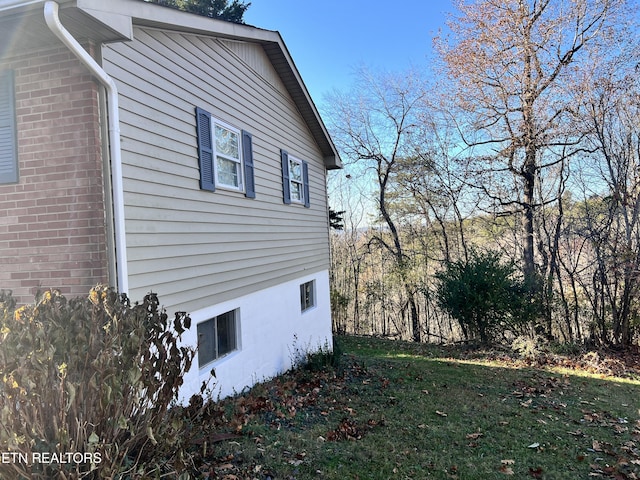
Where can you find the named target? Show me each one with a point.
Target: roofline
(147, 14)
(119, 16)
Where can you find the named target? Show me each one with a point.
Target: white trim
(292, 181)
(239, 161)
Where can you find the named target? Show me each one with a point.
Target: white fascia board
(118, 22)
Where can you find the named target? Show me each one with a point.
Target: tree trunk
(415, 319)
(529, 267)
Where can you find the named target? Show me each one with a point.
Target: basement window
(308, 295)
(217, 337)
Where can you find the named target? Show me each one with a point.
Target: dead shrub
(87, 385)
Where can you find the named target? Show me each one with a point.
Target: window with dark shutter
(247, 158)
(8, 143)
(295, 180)
(286, 189)
(305, 183)
(225, 155)
(205, 149)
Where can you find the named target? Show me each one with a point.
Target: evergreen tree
(222, 9)
(336, 220)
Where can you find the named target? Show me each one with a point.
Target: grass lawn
(394, 410)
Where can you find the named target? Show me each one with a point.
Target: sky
(330, 39)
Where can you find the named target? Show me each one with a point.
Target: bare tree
(513, 62)
(375, 127)
(433, 187)
(347, 252)
(614, 227)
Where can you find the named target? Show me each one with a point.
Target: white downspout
(53, 22)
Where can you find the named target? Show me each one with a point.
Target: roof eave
(113, 21)
(146, 14)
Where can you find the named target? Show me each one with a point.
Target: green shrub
(484, 296)
(315, 359)
(325, 357)
(87, 385)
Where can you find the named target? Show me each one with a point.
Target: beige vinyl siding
(253, 57)
(196, 248)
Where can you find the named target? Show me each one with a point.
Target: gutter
(113, 118)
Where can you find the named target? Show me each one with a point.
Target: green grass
(405, 411)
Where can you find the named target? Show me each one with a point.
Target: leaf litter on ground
(401, 410)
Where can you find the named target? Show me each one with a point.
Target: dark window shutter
(247, 159)
(286, 189)
(305, 182)
(205, 149)
(8, 144)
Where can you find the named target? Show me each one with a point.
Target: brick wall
(52, 223)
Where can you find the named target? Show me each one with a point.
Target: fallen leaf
(507, 462)
(442, 414)
(535, 472)
(618, 429)
(474, 436)
(506, 470)
(534, 445)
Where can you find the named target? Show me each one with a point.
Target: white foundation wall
(271, 330)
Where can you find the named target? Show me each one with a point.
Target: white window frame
(307, 295)
(212, 323)
(292, 182)
(238, 161)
